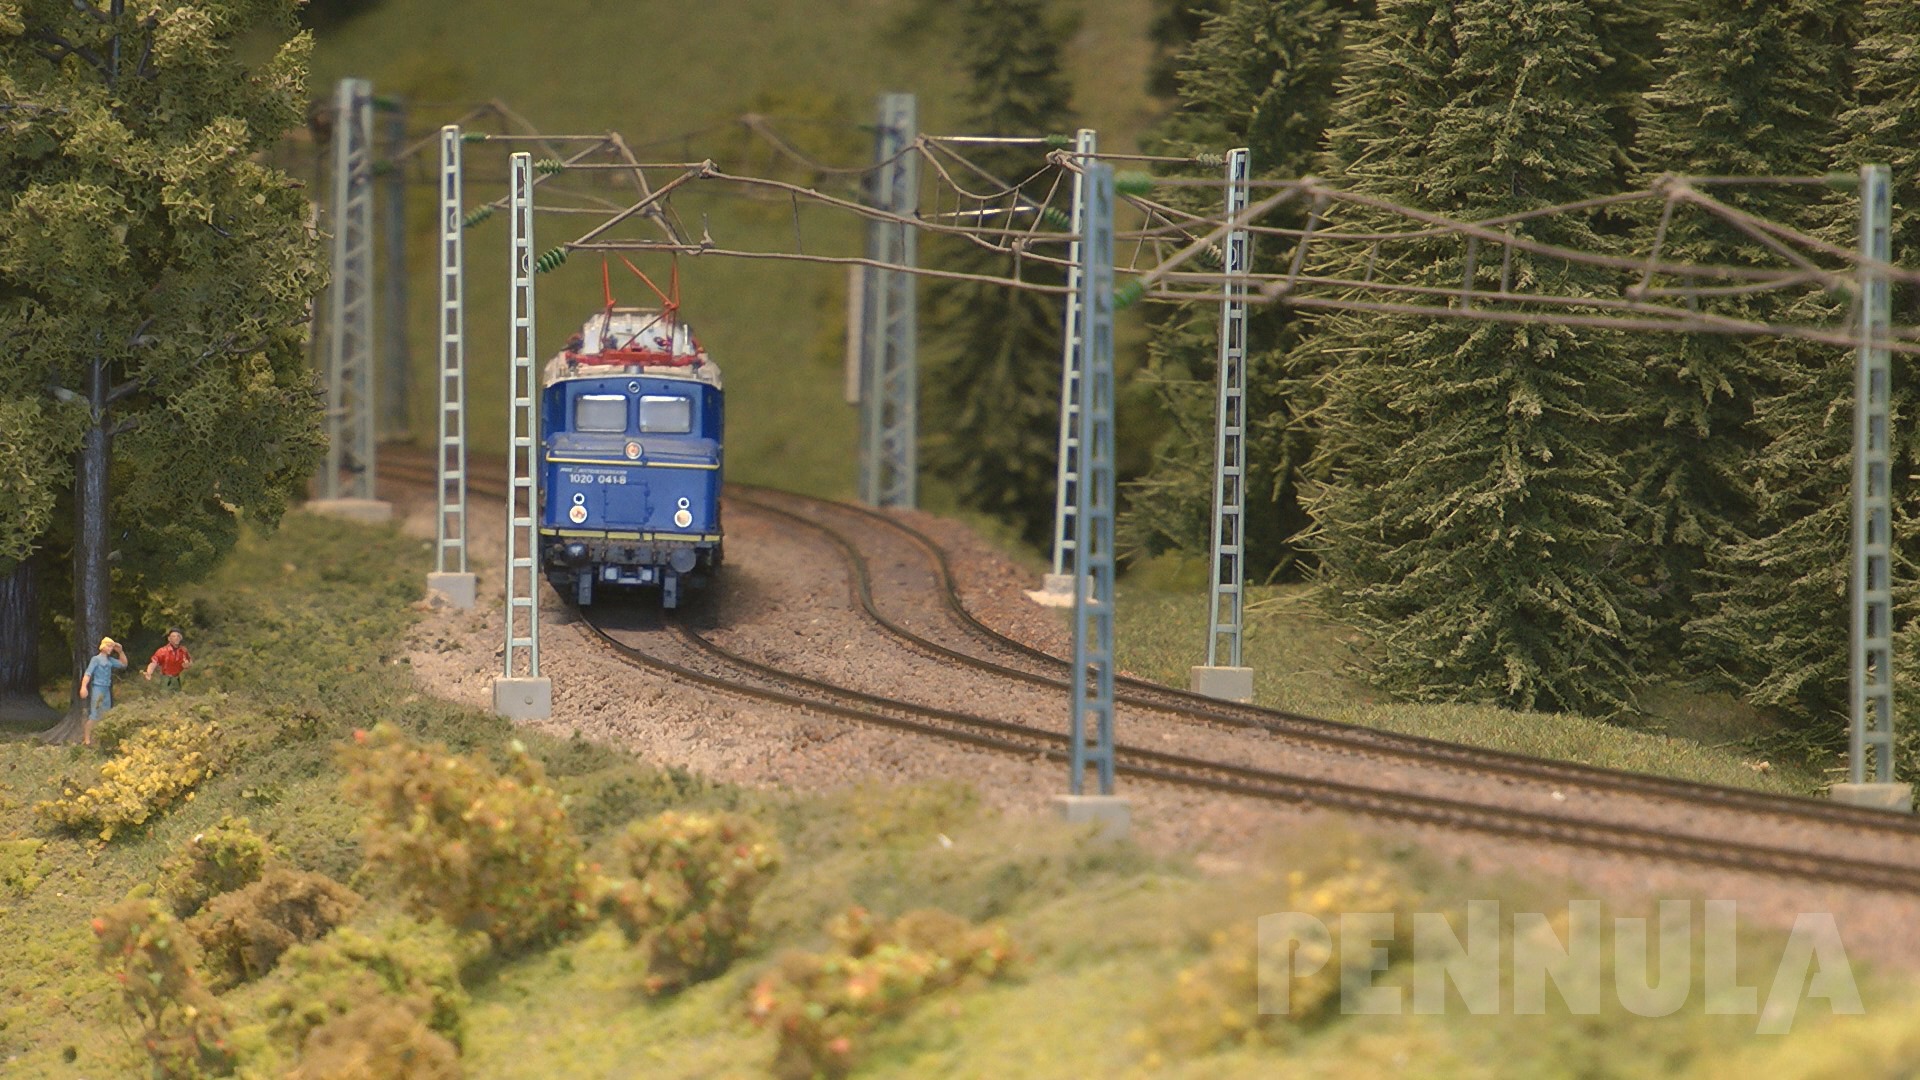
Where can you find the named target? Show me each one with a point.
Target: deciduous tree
(154, 288)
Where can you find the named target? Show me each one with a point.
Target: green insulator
(1132, 183)
(550, 260)
(1843, 181)
(1058, 142)
(1214, 161)
(1128, 293)
(385, 168)
(473, 136)
(1051, 217)
(475, 217)
(1210, 257)
(549, 166)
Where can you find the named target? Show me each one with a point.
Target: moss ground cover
(1303, 662)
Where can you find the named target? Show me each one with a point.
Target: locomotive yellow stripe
(625, 462)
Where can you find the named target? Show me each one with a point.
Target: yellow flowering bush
(1215, 1003)
(822, 1004)
(156, 767)
(485, 852)
(694, 880)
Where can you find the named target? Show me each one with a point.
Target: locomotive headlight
(682, 518)
(577, 552)
(577, 514)
(633, 451)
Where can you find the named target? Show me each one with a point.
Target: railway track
(1887, 855)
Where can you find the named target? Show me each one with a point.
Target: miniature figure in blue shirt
(96, 684)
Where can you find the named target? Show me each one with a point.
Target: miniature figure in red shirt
(171, 659)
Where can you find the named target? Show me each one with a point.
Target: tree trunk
(91, 583)
(20, 701)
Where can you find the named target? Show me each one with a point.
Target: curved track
(1881, 851)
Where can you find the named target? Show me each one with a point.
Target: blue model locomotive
(631, 422)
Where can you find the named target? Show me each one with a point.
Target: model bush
(398, 963)
(219, 860)
(822, 1006)
(487, 852)
(1216, 1004)
(694, 880)
(156, 767)
(242, 934)
(154, 960)
(378, 1041)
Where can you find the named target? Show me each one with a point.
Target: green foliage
(993, 393)
(823, 1005)
(156, 767)
(1262, 76)
(152, 958)
(486, 852)
(147, 257)
(398, 963)
(20, 866)
(1743, 89)
(690, 896)
(1471, 517)
(228, 856)
(243, 933)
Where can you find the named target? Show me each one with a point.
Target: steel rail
(1327, 733)
(1227, 778)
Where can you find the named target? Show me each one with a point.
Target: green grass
(300, 641)
(1304, 662)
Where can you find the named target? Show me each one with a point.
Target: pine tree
(993, 394)
(1472, 518)
(1746, 89)
(1260, 75)
(1783, 621)
(154, 284)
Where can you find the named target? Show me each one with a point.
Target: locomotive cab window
(666, 415)
(600, 412)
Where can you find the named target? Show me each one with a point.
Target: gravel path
(779, 604)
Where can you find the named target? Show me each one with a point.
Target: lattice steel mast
(451, 576)
(889, 428)
(528, 695)
(350, 406)
(1871, 676)
(1226, 605)
(1066, 488)
(1093, 555)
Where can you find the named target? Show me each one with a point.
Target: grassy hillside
(673, 77)
(1127, 964)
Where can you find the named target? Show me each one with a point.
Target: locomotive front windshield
(666, 415)
(600, 412)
